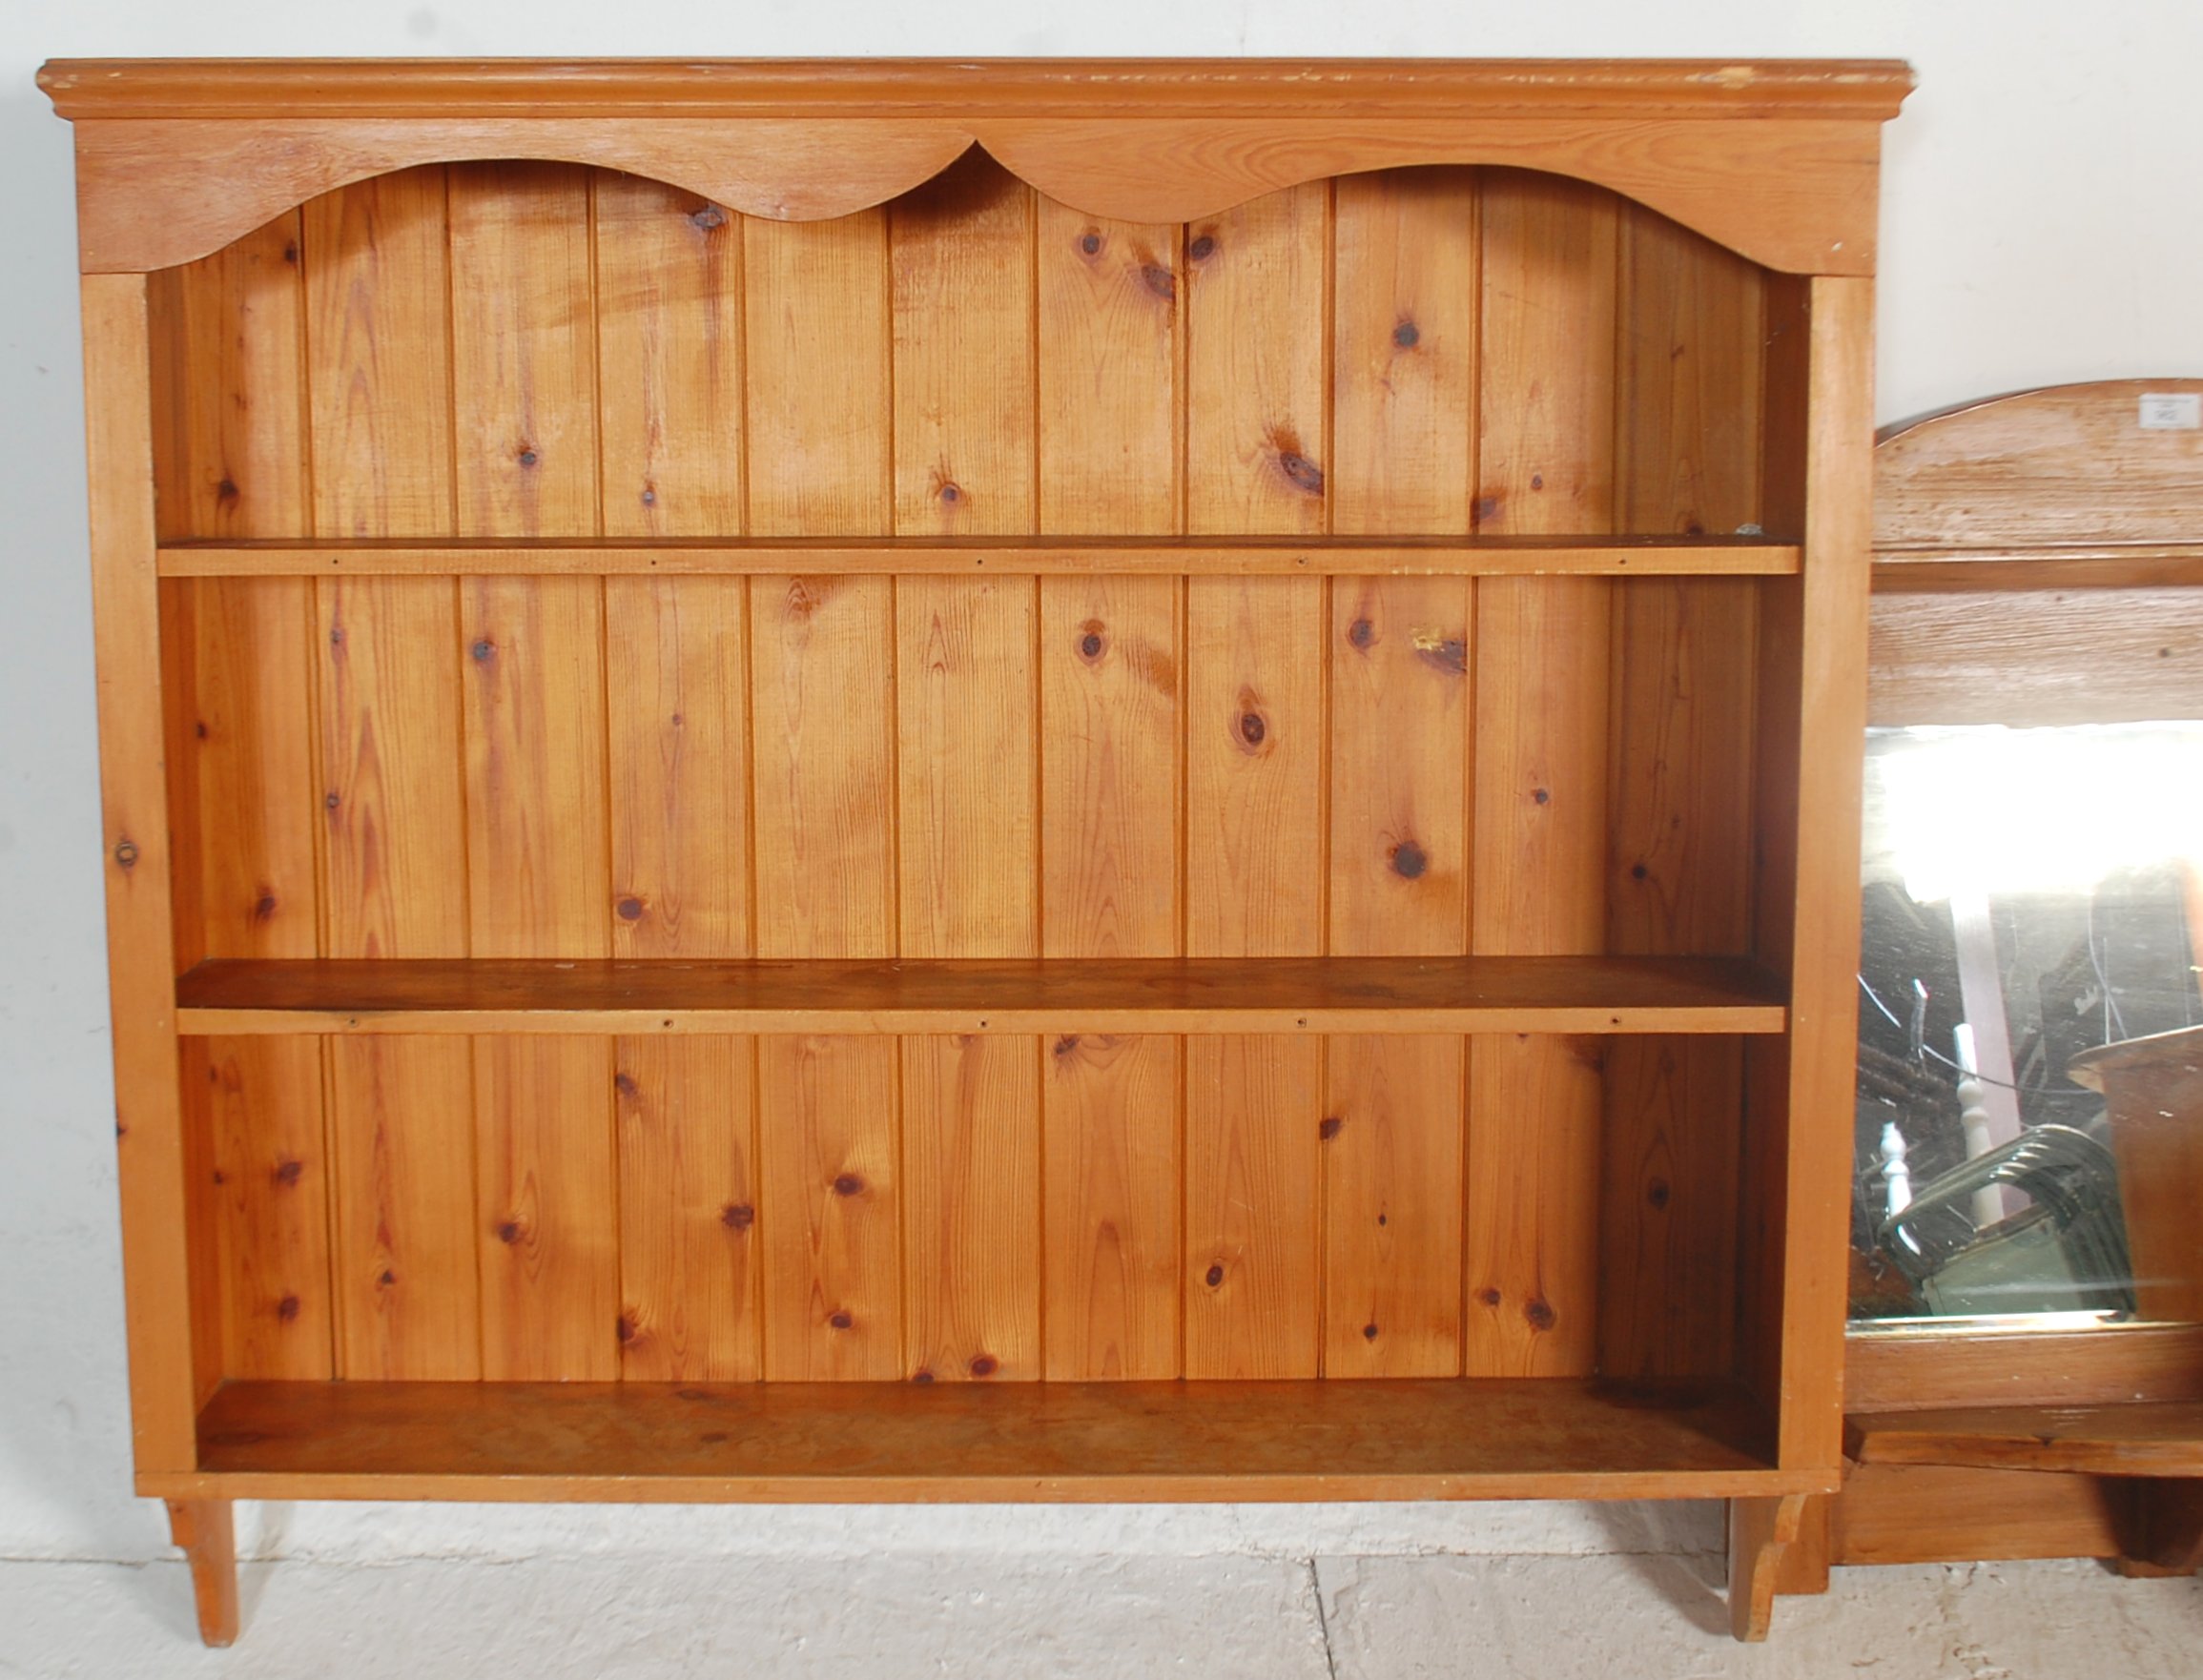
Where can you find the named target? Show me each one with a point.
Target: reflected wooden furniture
(1008, 781)
(2039, 561)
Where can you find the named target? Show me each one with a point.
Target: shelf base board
(809, 1442)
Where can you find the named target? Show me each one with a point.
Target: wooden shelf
(1277, 995)
(1430, 556)
(2163, 1438)
(1552, 1438)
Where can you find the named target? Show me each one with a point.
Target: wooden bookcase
(1064, 781)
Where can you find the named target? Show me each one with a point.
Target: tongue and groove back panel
(864, 766)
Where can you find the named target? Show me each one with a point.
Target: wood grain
(2161, 1438)
(670, 314)
(407, 1283)
(971, 1208)
(1255, 438)
(546, 1200)
(829, 1151)
(260, 1103)
(378, 275)
(1108, 351)
(678, 765)
(523, 356)
(688, 1209)
(1113, 1174)
(1393, 1193)
(1253, 1245)
(1110, 676)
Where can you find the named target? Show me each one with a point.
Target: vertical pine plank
(829, 1146)
(964, 396)
(1110, 789)
(524, 352)
(524, 372)
(1254, 383)
(669, 313)
(544, 1174)
(1393, 1157)
(1107, 372)
(379, 357)
(538, 868)
(259, 1100)
(687, 1210)
(1690, 397)
(1545, 466)
(816, 301)
(1401, 650)
(1253, 1109)
(679, 765)
(1113, 1178)
(965, 751)
(971, 1207)
(393, 789)
(1254, 766)
(408, 1302)
(1254, 442)
(394, 827)
(227, 392)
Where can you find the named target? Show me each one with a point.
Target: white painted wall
(2043, 222)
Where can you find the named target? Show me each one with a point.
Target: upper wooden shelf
(245, 88)
(1162, 994)
(832, 1441)
(1779, 161)
(1499, 557)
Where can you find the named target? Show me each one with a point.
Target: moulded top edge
(400, 88)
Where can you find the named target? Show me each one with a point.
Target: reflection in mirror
(2029, 1119)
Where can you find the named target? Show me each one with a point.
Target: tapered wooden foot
(1760, 1531)
(203, 1528)
(1805, 1566)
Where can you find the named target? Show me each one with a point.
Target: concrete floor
(627, 1617)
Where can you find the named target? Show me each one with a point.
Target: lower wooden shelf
(1162, 994)
(1549, 1438)
(2160, 1438)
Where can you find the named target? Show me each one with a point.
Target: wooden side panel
(828, 1171)
(1253, 1109)
(964, 388)
(1108, 341)
(1679, 859)
(1255, 745)
(547, 1210)
(393, 797)
(379, 357)
(1545, 466)
(675, 656)
(523, 351)
(260, 1101)
(1112, 1215)
(1109, 790)
(1255, 412)
(538, 869)
(1392, 1159)
(406, 1271)
(965, 715)
(971, 1207)
(670, 314)
(229, 392)
(688, 1209)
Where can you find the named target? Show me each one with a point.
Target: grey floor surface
(1263, 1618)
